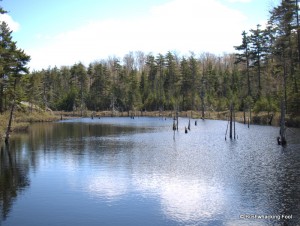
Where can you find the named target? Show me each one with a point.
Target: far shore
(262, 118)
(22, 120)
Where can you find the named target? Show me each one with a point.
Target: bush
(67, 102)
(294, 104)
(222, 104)
(265, 104)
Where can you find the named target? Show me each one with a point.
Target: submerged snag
(270, 119)
(281, 142)
(227, 128)
(230, 121)
(282, 130)
(174, 126)
(278, 141)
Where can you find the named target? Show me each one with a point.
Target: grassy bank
(22, 120)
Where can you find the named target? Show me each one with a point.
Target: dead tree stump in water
(282, 131)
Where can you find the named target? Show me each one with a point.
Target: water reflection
(109, 186)
(196, 179)
(13, 176)
(185, 200)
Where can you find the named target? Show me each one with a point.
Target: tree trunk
(249, 119)
(248, 73)
(230, 124)
(11, 114)
(244, 110)
(298, 32)
(1, 94)
(177, 119)
(233, 122)
(8, 130)
(282, 124)
(284, 85)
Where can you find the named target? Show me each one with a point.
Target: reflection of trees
(74, 137)
(13, 177)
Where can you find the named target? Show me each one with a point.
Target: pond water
(123, 171)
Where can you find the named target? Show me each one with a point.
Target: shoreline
(22, 120)
(262, 118)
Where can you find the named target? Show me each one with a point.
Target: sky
(65, 32)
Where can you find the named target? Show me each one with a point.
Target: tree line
(263, 72)
(13, 68)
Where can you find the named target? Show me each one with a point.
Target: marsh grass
(22, 120)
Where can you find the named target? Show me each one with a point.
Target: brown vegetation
(22, 120)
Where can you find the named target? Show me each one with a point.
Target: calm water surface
(122, 171)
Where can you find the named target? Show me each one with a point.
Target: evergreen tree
(283, 21)
(13, 62)
(172, 79)
(34, 89)
(144, 89)
(5, 60)
(186, 85)
(133, 92)
(258, 50)
(244, 57)
(79, 73)
(194, 76)
(99, 96)
(151, 70)
(160, 62)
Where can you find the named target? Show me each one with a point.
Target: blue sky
(64, 32)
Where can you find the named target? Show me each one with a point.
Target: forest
(262, 73)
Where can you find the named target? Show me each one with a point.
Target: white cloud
(13, 25)
(241, 1)
(183, 25)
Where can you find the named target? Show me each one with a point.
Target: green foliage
(248, 101)
(68, 101)
(13, 66)
(294, 103)
(150, 102)
(265, 67)
(265, 104)
(222, 104)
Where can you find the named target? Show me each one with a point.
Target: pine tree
(258, 51)
(283, 21)
(171, 85)
(5, 60)
(78, 71)
(151, 71)
(186, 85)
(244, 57)
(160, 62)
(195, 80)
(14, 62)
